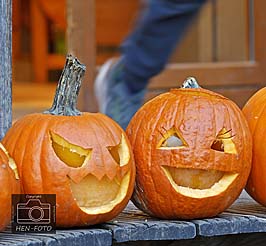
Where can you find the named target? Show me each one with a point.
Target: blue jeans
(146, 51)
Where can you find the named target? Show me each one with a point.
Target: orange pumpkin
(255, 113)
(9, 181)
(192, 149)
(83, 158)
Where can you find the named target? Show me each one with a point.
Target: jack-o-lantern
(255, 113)
(9, 181)
(83, 158)
(192, 150)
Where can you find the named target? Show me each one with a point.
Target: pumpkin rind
(42, 172)
(255, 113)
(197, 115)
(10, 185)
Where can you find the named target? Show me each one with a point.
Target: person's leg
(147, 50)
(120, 88)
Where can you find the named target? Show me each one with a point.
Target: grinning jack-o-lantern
(9, 181)
(192, 149)
(83, 158)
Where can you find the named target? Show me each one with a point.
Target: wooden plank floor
(244, 223)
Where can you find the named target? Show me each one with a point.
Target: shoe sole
(100, 85)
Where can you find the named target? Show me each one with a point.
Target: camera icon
(33, 212)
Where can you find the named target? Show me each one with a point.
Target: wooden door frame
(223, 73)
(81, 43)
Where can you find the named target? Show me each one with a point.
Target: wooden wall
(218, 33)
(114, 20)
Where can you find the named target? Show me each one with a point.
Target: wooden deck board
(134, 225)
(244, 217)
(93, 237)
(146, 228)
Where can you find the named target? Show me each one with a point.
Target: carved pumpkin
(83, 158)
(192, 150)
(254, 110)
(9, 182)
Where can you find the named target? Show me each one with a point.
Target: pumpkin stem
(190, 82)
(68, 87)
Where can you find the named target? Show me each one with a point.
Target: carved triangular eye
(70, 154)
(224, 142)
(120, 152)
(172, 139)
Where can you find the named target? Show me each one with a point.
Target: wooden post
(5, 66)
(81, 43)
(39, 42)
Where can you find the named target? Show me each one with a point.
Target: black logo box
(33, 213)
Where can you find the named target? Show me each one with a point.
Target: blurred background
(223, 48)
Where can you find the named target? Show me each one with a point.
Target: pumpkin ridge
(227, 128)
(234, 112)
(164, 135)
(217, 110)
(258, 121)
(199, 92)
(259, 98)
(96, 136)
(100, 171)
(120, 172)
(244, 124)
(42, 147)
(41, 125)
(149, 154)
(175, 113)
(197, 110)
(24, 135)
(214, 113)
(179, 113)
(107, 129)
(185, 102)
(11, 141)
(133, 141)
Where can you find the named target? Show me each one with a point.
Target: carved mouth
(95, 196)
(198, 183)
